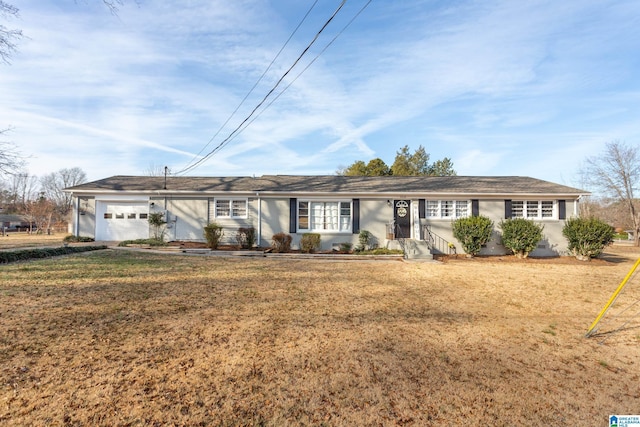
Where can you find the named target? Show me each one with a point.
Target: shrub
(150, 242)
(27, 254)
(587, 237)
(520, 236)
(310, 243)
(77, 239)
(157, 222)
(345, 247)
(246, 237)
(364, 240)
(382, 251)
(213, 233)
(472, 232)
(281, 242)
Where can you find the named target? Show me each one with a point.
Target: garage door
(122, 220)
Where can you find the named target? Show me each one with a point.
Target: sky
(526, 88)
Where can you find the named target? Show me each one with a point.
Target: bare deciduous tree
(157, 170)
(54, 183)
(10, 160)
(40, 212)
(615, 173)
(8, 37)
(21, 188)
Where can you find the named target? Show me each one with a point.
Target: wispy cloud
(501, 87)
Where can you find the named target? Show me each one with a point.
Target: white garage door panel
(122, 220)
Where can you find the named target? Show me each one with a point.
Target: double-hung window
(446, 208)
(230, 208)
(532, 209)
(324, 216)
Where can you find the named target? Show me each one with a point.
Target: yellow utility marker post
(612, 299)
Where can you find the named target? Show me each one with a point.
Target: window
(447, 208)
(131, 216)
(108, 215)
(432, 208)
(119, 216)
(532, 209)
(239, 208)
(144, 216)
(231, 208)
(324, 216)
(547, 209)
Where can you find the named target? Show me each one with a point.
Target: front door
(402, 217)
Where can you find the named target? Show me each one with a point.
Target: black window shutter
(475, 207)
(356, 216)
(507, 209)
(293, 215)
(422, 208)
(562, 209)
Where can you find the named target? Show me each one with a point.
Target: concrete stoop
(418, 250)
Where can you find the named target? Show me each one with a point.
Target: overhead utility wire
(306, 49)
(254, 86)
(301, 72)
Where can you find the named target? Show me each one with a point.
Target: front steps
(413, 249)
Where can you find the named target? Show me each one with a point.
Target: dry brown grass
(127, 338)
(26, 240)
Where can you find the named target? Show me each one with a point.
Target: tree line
(404, 164)
(41, 201)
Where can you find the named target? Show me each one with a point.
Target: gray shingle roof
(293, 184)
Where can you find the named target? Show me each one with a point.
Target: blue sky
(502, 87)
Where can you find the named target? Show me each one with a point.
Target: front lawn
(131, 338)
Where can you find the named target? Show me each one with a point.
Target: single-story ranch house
(396, 210)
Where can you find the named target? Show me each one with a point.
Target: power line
(299, 74)
(254, 86)
(246, 119)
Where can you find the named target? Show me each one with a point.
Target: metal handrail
(435, 242)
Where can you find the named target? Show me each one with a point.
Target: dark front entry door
(402, 217)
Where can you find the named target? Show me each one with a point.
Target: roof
(297, 184)
(13, 218)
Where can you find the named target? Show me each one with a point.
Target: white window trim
(538, 217)
(231, 200)
(311, 230)
(455, 209)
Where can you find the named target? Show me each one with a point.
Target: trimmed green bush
(309, 243)
(281, 242)
(213, 234)
(246, 237)
(587, 237)
(77, 239)
(472, 232)
(520, 236)
(150, 242)
(27, 254)
(381, 251)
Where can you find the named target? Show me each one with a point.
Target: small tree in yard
(587, 237)
(520, 236)
(472, 232)
(157, 222)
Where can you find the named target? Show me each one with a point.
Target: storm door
(402, 217)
